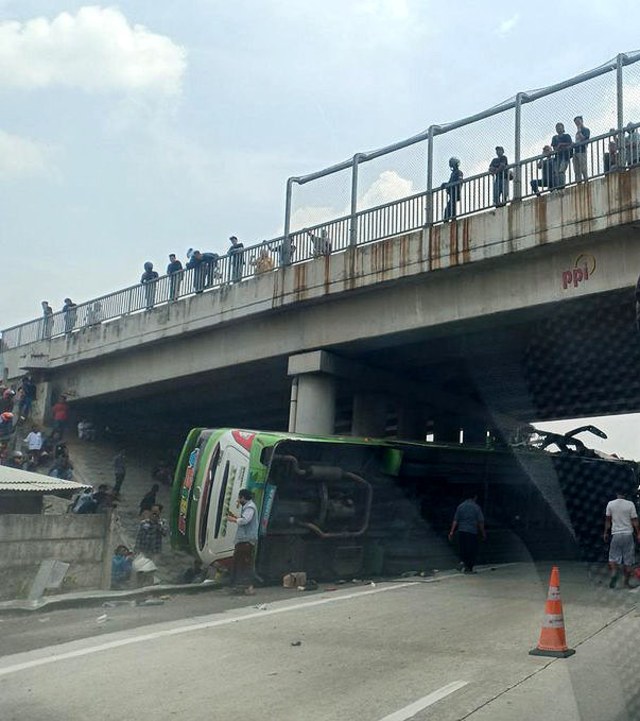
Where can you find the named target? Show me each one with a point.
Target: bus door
(231, 475)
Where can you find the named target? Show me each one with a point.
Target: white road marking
(412, 709)
(48, 655)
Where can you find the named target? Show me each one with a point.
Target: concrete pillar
(313, 393)
(474, 431)
(411, 424)
(446, 428)
(313, 404)
(369, 415)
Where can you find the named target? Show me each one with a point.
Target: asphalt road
(454, 649)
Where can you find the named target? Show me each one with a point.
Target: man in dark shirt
(452, 189)
(174, 271)
(236, 259)
(149, 281)
(69, 311)
(469, 522)
(498, 168)
(580, 150)
(561, 144)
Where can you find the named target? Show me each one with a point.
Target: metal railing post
(429, 209)
(286, 241)
(353, 222)
(517, 181)
(620, 107)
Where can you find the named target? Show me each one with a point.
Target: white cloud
(97, 49)
(506, 26)
(387, 187)
(398, 9)
(22, 157)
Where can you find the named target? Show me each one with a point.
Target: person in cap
(452, 188)
(236, 259)
(499, 169)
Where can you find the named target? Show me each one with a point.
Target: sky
(132, 130)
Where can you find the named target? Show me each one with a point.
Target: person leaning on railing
(546, 164)
(263, 263)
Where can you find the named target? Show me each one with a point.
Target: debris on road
(261, 606)
(294, 580)
(102, 619)
(296, 643)
(150, 602)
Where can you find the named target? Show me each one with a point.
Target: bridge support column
(446, 428)
(313, 394)
(411, 424)
(369, 415)
(474, 431)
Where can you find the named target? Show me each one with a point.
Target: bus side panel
(178, 540)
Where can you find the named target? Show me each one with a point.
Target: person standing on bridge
(561, 144)
(174, 271)
(149, 280)
(69, 311)
(47, 320)
(498, 168)
(246, 539)
(621, 519)
(469, 522)
(236, 259)
(580, 150)
(453, 188)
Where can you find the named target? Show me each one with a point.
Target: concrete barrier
(83, 541)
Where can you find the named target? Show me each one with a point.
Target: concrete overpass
(524, 311)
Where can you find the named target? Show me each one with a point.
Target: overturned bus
(344, 506)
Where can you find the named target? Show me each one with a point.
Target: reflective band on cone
(553, 641)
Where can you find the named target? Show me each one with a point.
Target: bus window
(223, 490)
(205, 504)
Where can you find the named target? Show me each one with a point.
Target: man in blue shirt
(469, 522)
(580, 150)
(561, 144)
(174, 271)
(246, 539)
(498, 168)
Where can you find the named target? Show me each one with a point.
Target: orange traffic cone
(552, 637)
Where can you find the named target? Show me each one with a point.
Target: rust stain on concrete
(300, 281)
(404, 253)
(434, 247)
(466, 244)
(453, 243)
(542, 226)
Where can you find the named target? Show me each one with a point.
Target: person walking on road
(119, 472)
(469, 522)
(621, 520)
(246, 539)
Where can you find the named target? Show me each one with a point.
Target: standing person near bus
(469, 522)
(246, 539)
(119, 471)
(621, 520)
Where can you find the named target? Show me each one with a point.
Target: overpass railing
(366, 215)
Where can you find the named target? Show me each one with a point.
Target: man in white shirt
(621, 519)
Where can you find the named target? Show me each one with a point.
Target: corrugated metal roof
(15, 479)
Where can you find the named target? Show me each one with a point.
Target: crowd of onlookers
(25, 445)
(209, 269)
(553, 165)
